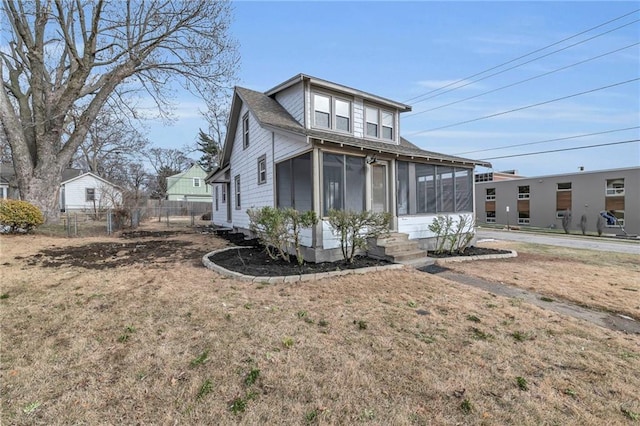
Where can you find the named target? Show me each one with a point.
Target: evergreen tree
(210, 149)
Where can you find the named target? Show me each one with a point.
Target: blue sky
(402, 50)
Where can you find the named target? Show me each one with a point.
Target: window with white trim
(523, 218)
(245, 131)
(379, 123)
(491, 217)
(236, 186)
(566, 186)
(615, 187)
(196, 182)
(90, 194)
(331, 112)
(262, 169)
(523, 192)
(491, 194)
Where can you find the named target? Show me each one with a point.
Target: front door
(379, 192)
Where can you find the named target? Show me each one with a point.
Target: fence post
(109, 222)
(193, 219)
(167, 218)
(75, 224)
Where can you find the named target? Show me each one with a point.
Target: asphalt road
(571, 241)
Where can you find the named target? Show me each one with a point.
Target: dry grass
(179, 344)
(606, 281)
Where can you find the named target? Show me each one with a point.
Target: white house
(315, 145)
(88, 192)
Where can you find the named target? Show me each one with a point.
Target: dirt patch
(149, 234)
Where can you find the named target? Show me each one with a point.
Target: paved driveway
(572, 241)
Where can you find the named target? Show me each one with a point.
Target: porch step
(396, 247)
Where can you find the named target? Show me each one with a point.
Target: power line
(548, 140)
(523, 108)
(563, 149)
(524, 56)
(524, 63)
(523, 81)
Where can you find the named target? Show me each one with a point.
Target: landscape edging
(288, 278)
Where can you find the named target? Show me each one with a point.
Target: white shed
(89, 192)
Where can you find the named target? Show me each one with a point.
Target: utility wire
(563, 149)
(524, 56)
(548, 140)
(523, 108)
(523, 81)
(523, 63)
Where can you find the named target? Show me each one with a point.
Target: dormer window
(373, 117)
(330, 112)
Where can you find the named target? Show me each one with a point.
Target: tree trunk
(42, 189)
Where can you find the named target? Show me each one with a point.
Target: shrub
(206, 216)
(452, 238)
(566, 221)
(354, 228)
(600, 225)
(19, 216)
(583, 224)
(278, 229)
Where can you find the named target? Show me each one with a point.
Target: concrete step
(410, 256)
(394, 250)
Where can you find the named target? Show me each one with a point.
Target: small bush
(452, 237)
(583, 224)
(354, 228)
(206, 216)
(566, 221)
(19, 216)
(600, 225)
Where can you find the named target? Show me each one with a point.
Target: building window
(330, 112)
(615, 187)
(403, 187)
(371, 118)
(523, 192)
(90, 194)
(343, 182)
(236, 185)
(196, 182)
(561, 213)
(216, 197)
(374, 117)
(245, 131)
(425, 188)
(293, 183)
(491, 194)
(224, 193)
(262, 170)
(614, 218)
(491, 217)
(564, 186)
(523, 218)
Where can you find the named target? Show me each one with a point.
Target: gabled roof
(181, 174)
(337, 87)
(89, 174)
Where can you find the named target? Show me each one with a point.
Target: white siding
(286, 147)
(418, 226)
(329, 240)
(358, 118)
(75, 194)
(292, 99)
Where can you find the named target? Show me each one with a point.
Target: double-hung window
(331, 112)
(615, 187)
(224, 193)
(491, 194)
(379, 123)
(196, 182)
(237, 192)
(262, 169)
(90, 194)
(245, 131)
(523, 192)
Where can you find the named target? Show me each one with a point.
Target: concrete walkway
(603, 319)
(571, 241)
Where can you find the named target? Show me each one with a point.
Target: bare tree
(66, 58)
(112, 140)
(165, 163)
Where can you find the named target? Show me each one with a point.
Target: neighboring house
(315, 145)
(189, 186)
(88, 192)
(8, 183)
(543, 200)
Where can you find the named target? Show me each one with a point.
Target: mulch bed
(255, 261)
